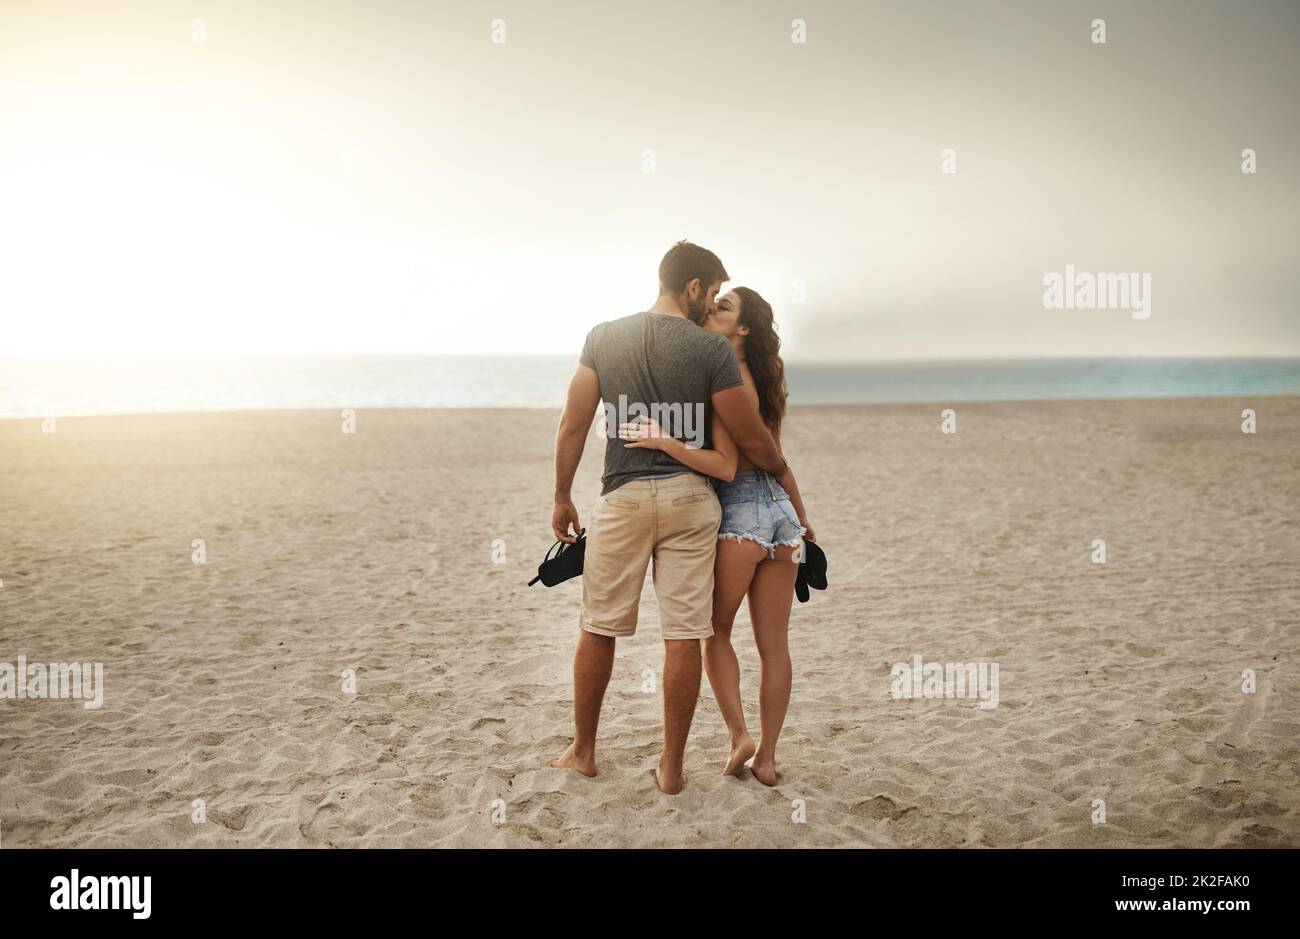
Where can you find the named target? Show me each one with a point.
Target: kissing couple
(695, 481)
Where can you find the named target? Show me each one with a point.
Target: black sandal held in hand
(812, 571)
(565, 564)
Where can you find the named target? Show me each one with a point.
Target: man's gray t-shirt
(663, 367)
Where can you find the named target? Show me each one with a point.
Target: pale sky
(383, 177)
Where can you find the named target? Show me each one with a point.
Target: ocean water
(66, 387)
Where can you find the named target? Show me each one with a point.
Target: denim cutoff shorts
(756, 508)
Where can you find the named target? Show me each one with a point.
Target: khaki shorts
(674, 521)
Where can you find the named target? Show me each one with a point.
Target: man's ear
(694, 289)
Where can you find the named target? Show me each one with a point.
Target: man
(659, 363)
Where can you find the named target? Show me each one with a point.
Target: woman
(763, 520)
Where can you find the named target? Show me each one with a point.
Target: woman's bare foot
(669, 784)
(764, 770)
(570, 760)
(741, 750)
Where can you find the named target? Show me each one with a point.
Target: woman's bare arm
(719, 462)
(786, 478)
(791, 487)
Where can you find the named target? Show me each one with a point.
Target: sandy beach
(401, 552)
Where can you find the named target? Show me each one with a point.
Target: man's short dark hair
(683, 263)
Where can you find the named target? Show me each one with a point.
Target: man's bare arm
(738, 413)
(570, 437)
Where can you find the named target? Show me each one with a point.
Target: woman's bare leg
(732, 573)
(770, 596)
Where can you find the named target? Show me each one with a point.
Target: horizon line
(57, 357)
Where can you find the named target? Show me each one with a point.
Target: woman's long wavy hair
(763, 356)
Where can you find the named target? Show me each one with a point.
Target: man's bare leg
(593, 662)
(681, 691)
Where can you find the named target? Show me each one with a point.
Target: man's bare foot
(570, 760)
(741, 751)
(764, 771)
(667, 783)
